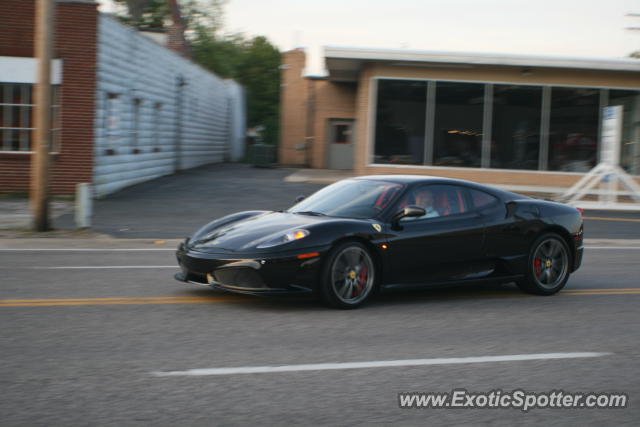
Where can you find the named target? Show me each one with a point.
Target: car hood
(247, 233)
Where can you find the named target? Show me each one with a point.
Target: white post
(610, 150)
(608, 172)
(84, 205)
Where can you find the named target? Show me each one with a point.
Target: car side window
(482, 200)
(436, 200)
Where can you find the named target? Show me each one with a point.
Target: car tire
(548, 266)
(348, 276)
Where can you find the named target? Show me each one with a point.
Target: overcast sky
(582, 28)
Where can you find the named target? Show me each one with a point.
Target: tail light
(581, 211)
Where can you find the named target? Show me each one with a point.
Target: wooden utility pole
(42, 116)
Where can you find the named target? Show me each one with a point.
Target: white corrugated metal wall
(157, 112)
(238, 110)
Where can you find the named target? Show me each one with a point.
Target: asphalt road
(80, 346)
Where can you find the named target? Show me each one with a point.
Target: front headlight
(284, 238)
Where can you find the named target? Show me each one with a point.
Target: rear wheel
(349, 276)
(548, 265)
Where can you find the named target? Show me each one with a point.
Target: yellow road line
(449, 295)
(85, 303)
(150, 299)
(601, 290)
(602, 218)
(117, 301)
(223, 299)
(601, 293)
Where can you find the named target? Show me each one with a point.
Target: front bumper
(274, 273)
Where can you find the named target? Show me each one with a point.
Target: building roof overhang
(344, 63)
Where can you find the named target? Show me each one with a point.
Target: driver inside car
(424, 198)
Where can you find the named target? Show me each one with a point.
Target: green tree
(144, 13)
(221, 55)
(259, 72)
(255, 64)
(157, 13)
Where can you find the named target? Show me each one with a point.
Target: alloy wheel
(352, 275)
(550, 263)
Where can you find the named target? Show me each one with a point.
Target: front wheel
(348, 276)
(548, 265)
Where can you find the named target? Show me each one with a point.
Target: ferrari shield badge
(377, 227)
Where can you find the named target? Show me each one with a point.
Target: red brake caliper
(537, 264)
(362, 279)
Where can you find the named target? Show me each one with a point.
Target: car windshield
(352, 198)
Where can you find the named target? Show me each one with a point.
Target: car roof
(426, 179)
(410, 179)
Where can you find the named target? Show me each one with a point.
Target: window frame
(157, 134)
(454, 216)
(55, 119)
(370, 141)
(134, 131)
(111, 126)
(491, 205)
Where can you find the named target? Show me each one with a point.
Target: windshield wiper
(310, 213)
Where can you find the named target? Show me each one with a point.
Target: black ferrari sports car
(372, 233)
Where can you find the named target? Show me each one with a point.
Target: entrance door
(340, 144)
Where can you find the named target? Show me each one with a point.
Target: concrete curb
(317, 176)
(106, 242)
(100, 242)
(612, 242)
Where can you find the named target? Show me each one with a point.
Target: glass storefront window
(400, 122)
(458, 124)
(515, 134)
(569, 118)
(573, 129)
(630, 149)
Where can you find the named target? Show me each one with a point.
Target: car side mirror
(300, 198)
(411, 211)
(408, 212)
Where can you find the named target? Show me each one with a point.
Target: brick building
(126, 108)
(501, 119)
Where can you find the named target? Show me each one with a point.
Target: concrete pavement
(175, 206)
(16, 213)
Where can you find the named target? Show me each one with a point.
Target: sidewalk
(16, 213)
(103, 242)
(318, 176)
(174, 206)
